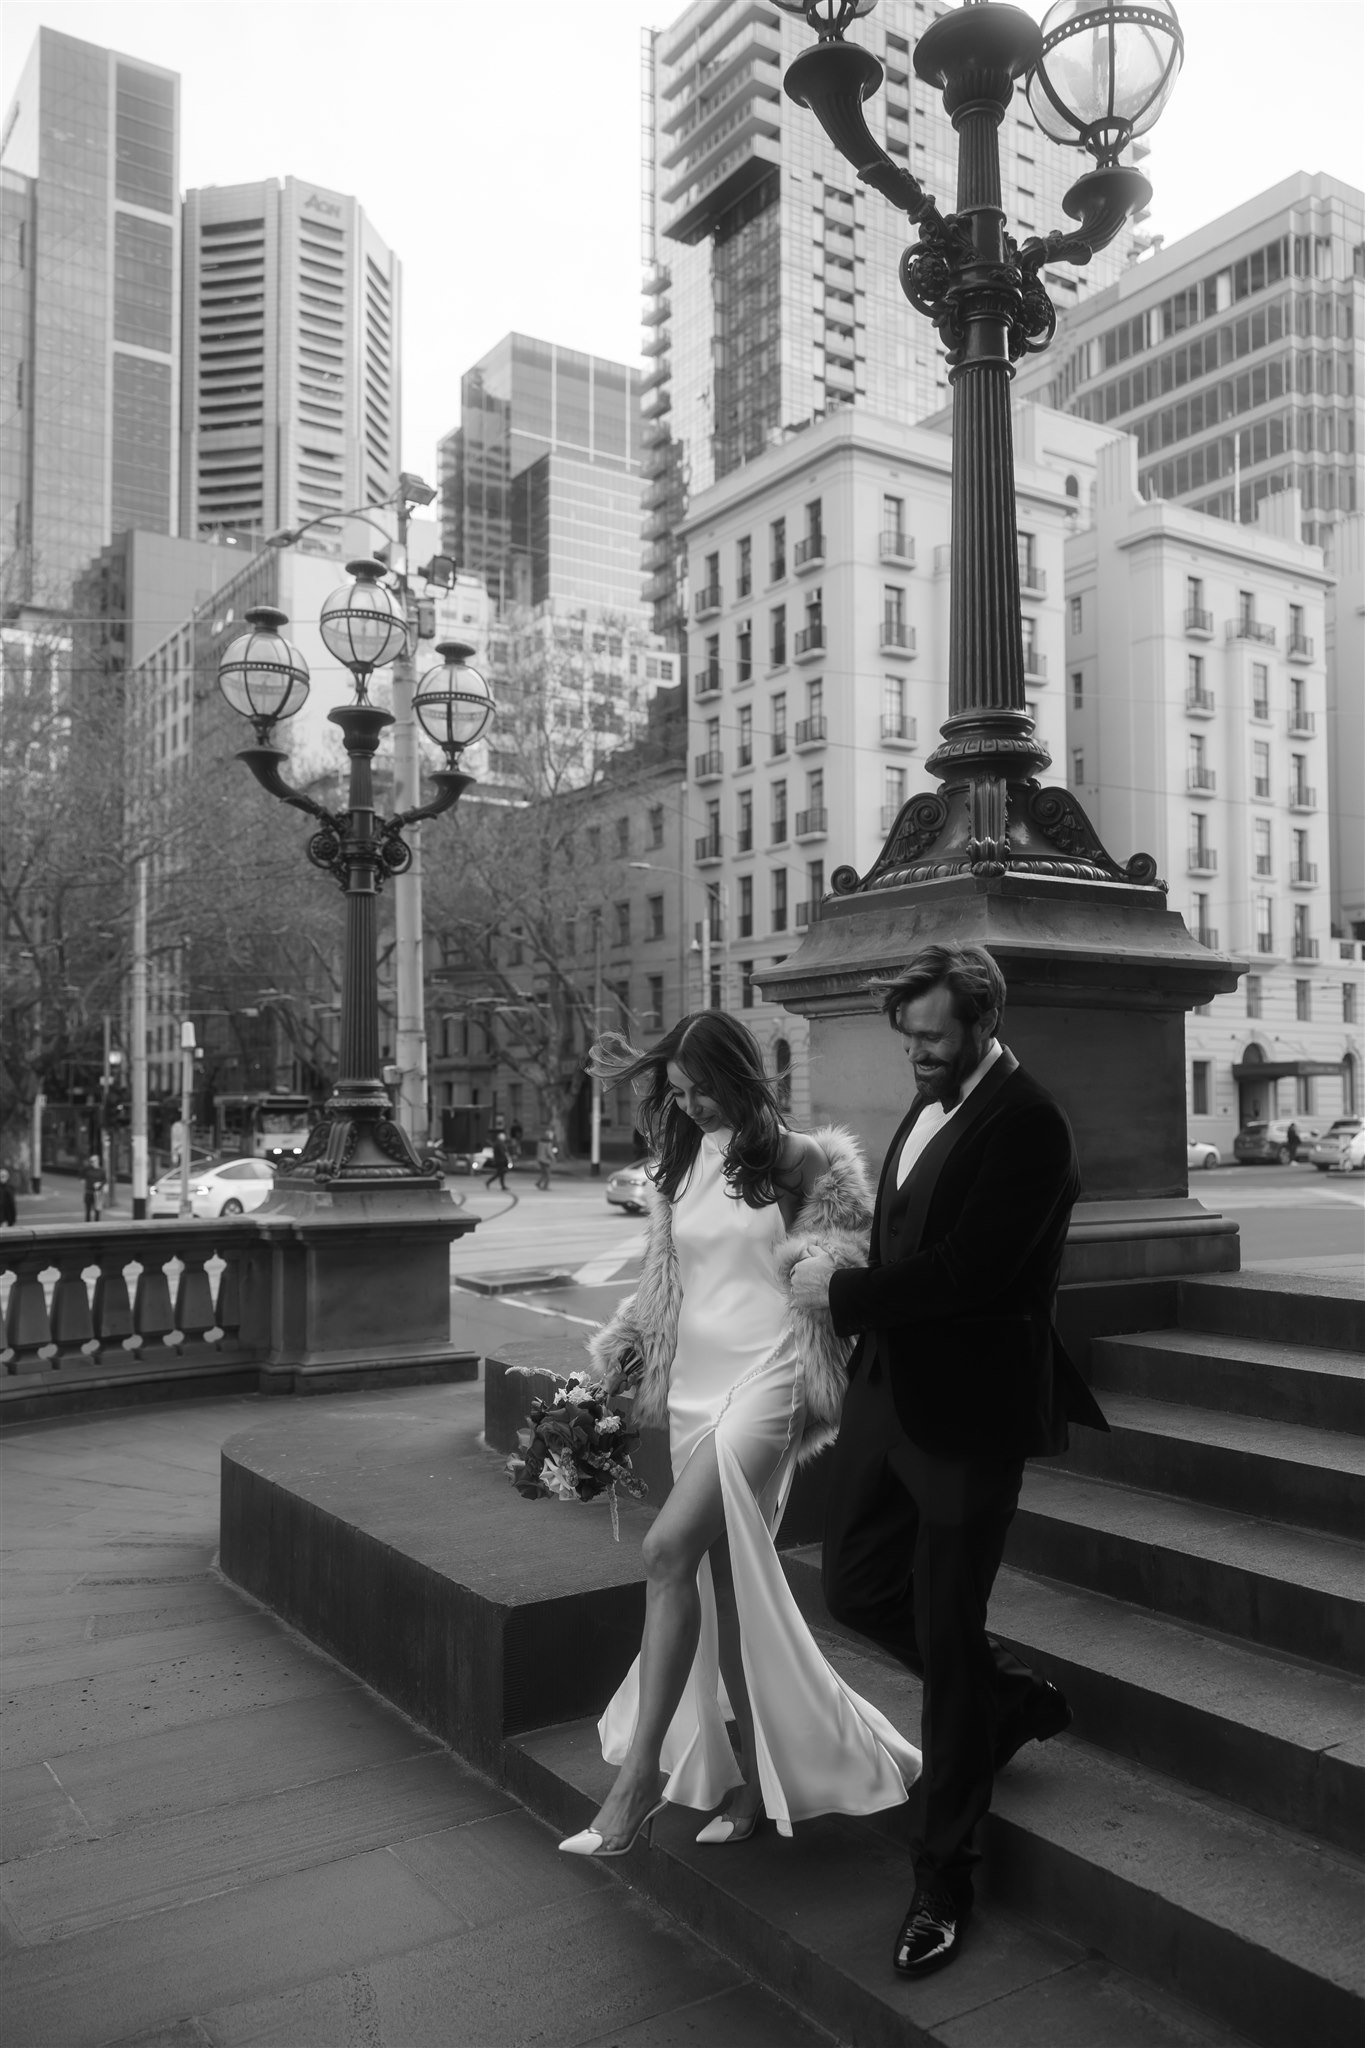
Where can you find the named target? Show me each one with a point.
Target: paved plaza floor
(214, 1836)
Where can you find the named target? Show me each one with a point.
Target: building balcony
(898, 638)
(810, 552)
(657, 342)
(654, 404)
(898, 729)
(653, 433)
(1303, 874)
(744, 840)
(707, 601)
(813, 823)
(1035, 666)
(709, 767)
(1301, 797)
(810, 732)
(1032, 580)
(1207, 935)
(1305, 948)
(897, 547)
(777, 746)
(660, 374)
(1202, 860)
(1300, 647)
(706, 850)
(1198, 624)
(1251, 629)
(706, 682)
(1202, 779)
(810, 641)
(1302, 725)
(1199, 702)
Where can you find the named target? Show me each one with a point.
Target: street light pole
(138, 1047)
(721, 901)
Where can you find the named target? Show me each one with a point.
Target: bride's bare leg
(746, 1798)
(684, 1529)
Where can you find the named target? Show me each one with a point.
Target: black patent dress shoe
(1047, 1717)
(931, 1932)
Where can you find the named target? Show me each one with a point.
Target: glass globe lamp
(1108, 68)
(453, 701)
(261, 674)
(829, 18)
(363, 623)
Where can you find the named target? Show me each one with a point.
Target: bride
(750, 1386)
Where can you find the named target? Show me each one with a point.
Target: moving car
(1267, 1144)
(227, 1187)
(628, 1189)
(1326, 1152)
(1199, 1153)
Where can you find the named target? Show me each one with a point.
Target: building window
(893, 615)
(654, 1017)
(746, 906)
(1200, 1091)
(1254, 995)
(1348, 1002)
(1074, 610)
(744, 837)
(1303, 1001)
(1194, 595)
(622, 924)
(1077, 690)
(1260, 768)
(778, 722)
(893, 525)
(744, 651)
(1303, 1094)
(744, 566)
(778, 814)
(777, 550)
(779, 899)
(656, 825)
(654, 908)
(777, 636)
(1261, 830)
(1077, 767)
(1260, 689)
(1265, 925)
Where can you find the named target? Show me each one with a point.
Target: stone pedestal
(1100, 975)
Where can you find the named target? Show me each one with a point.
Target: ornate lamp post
(1099, 73)
(1100, 971)
(358, 1144)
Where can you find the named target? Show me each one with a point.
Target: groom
(957, 1376)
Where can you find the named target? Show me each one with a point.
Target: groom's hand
(810, 1281)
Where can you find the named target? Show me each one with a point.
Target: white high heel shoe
(724, 1829)
(588, 1842)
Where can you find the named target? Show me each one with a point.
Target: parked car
(628, 1189)
(229, 1187)
(1200, 1153)
(1267, 1144)
(1326, 1153)
(1353, 1153)
(470, 1162)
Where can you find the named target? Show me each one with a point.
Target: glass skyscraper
(90, 164)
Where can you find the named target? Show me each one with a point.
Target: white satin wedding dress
(821, 1748)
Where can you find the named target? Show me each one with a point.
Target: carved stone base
(1100, 975)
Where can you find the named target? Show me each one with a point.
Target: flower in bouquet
(576, 1447)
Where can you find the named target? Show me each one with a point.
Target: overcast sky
(496, 143)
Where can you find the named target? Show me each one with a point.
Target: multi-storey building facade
(1197, 731)
(1235, 358)
(293, 341)
(91, 326)
(772, 293)
(818, 662)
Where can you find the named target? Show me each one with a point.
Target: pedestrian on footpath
(9, 1208)
(92, 1184)
(501, 1162)
(547, 1154)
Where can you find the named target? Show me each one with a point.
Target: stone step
(1237, 1375)
(1191, 1903)
(1297, 1590)
(1283, 1738)
(814, 1918)
(1278, 1308)
(1314, 1478)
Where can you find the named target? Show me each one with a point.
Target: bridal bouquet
(576, 1448)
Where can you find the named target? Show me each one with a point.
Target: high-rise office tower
(772, 293)
(540, 482)
(1236, 358)
(291, 406)
(90, 331)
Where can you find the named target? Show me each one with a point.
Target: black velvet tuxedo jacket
(957, 1298)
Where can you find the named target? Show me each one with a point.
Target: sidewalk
(214, 1836)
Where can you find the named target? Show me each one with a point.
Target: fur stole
(835, 1218)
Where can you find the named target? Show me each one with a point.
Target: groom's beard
(941, 1080)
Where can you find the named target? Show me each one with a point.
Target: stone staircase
(1195, 1582)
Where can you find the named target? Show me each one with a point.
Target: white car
(1198, 1153)
(228, 1187)
(629, 1188)
(1352, 1158)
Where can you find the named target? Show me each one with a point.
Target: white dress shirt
(934, 1116)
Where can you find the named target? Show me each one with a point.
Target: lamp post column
(410, 1037)
(138, 1044)
(359, 1088)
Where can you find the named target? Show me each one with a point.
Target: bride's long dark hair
(724, 1060)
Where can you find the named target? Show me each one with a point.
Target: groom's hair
(975, 982)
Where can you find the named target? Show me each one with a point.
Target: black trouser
(912, 1546)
